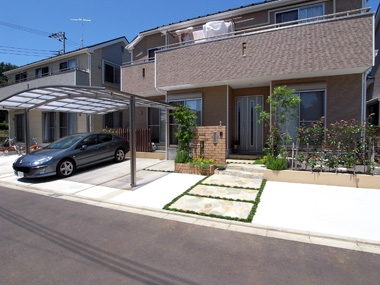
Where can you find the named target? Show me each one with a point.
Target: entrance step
(253, 171)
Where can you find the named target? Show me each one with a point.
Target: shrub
(3, 126)
(181, 156)
(276, 163)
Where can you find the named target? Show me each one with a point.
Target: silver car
(67, 154)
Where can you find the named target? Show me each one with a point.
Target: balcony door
(249, 131)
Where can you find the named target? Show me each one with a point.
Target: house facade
(96, 65)
(222, 65)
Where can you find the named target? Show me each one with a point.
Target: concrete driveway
(110, 182)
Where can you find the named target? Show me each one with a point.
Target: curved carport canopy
(84, 100)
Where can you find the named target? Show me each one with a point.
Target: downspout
(228, 118)
(334, 7)
(167, 123)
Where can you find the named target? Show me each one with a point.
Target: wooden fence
(143, 138)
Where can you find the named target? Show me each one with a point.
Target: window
(21, 77)
(311, 109)
(113, 120)
(373, 110)
(195, 105)
(152, 54)
(68, 65)
(111, 73)
(20, 127)
(67, 122)
(42, 71)
(102, 138)
(311, 106)
(48, 126)
(300, 13)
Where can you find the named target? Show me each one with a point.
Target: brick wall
(204, 136)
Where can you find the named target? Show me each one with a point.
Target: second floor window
(68, 65)
(21, 77)
(111, 73)
(42, 71)
(300, 13)
(152, 54)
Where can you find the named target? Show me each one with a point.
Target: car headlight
(42, 160)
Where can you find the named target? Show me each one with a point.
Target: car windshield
(65, 142)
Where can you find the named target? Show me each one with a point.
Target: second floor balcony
(321, 46)
(73, 76)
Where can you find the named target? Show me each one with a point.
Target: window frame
(22, 76)
(42, 69)
(173, 125)
(298, 13)
(68, 67)
(116, 73)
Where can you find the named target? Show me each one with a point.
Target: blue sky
(109, 19)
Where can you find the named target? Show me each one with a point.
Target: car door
(105, 146)
(87, 150)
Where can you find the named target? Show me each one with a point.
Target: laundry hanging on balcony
(185, 35)
(217, 28)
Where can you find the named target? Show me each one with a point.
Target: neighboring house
(222, 65)
(96, 65)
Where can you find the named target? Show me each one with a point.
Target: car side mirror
(83, 147)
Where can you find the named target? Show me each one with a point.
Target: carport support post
(132, 140)
(27, 133)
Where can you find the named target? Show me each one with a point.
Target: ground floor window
(194, 105)
(156, 122)
(311, 109)
(373, 113)
(20, 127)
(48, 120)
(67, 124)
(113, 120)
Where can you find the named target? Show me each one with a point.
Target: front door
(249, 131)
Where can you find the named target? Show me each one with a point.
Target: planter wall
(323, 178)
(192, 169)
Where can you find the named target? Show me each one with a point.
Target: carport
(83, 100)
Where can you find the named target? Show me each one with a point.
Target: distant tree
(5, 67)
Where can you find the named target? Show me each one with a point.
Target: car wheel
(119, 155)
(65, 168)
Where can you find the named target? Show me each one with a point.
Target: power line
(25, 29)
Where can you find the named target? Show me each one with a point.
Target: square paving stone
(233, 181)
(225, 192)
(218, 207)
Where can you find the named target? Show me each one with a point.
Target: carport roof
(77, 99)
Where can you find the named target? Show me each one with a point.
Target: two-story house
(96, 65)
(222, 65)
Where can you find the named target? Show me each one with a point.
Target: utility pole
(81, 20)
(62, 38)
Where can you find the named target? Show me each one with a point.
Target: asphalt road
(47, 240)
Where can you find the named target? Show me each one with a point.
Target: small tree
(283, 105)
(186, 121)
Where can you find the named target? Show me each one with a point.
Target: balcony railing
(250, 31)
(56, 72)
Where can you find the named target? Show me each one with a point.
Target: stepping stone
(225, 192)
(209, 206)
(233, 181)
